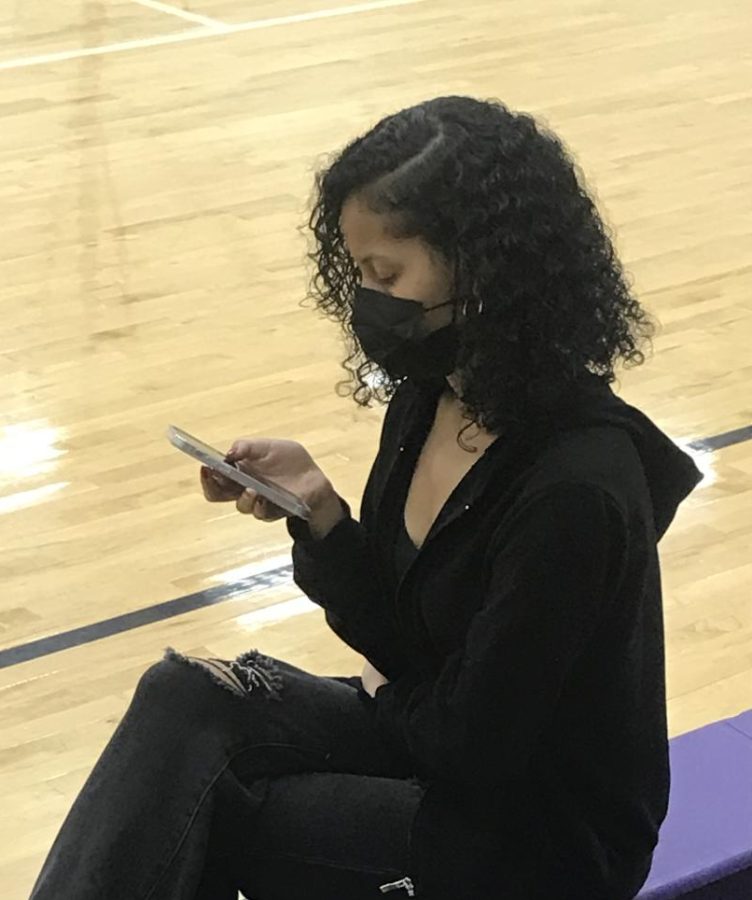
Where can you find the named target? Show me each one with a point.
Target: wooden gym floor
(155, 163)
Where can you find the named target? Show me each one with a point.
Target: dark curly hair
(544, 295)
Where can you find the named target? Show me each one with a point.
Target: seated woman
(507, 737)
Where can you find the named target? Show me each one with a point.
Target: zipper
(403, 883)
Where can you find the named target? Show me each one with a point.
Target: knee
(178, 677)
(169, 684)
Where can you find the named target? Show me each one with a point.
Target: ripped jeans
(251, 776)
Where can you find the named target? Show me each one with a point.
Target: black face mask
(392, 333)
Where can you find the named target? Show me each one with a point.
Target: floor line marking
(257, 579)
(200, 32)
(180, 13)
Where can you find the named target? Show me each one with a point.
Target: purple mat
(705, 846)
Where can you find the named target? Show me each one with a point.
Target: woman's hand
(372, 679)
(286, 463)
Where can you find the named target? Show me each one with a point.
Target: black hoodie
(524, 646)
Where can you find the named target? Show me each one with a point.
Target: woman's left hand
(372, 679)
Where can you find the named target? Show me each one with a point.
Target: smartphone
(215, 460)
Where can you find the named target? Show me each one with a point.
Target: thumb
(247, 449)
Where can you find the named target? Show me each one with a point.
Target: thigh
(273, 718)
(330, 836)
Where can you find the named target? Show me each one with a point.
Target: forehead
(366, 232)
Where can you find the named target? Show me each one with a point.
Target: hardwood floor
(156, 162)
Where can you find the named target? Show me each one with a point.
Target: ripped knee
(250, 672)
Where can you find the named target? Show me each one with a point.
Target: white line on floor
(180, 13)
(194, 34)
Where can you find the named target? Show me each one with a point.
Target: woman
(507, 737)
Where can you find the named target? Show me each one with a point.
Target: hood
(670, 472)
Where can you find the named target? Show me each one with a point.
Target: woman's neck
(456, 412)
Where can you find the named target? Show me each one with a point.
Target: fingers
(251, 503)
(246, 502)
(217, 488)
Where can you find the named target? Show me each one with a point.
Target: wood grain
(152, 273)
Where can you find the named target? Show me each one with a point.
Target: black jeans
(250, 776)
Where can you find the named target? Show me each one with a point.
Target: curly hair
(543, 295)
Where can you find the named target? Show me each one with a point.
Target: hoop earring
(464, 308)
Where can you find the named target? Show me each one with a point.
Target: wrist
(326, 510)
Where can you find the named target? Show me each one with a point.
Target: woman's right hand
(286, 463)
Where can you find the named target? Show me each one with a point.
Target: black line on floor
(210, 596)
(727, 439)
(156, 613)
